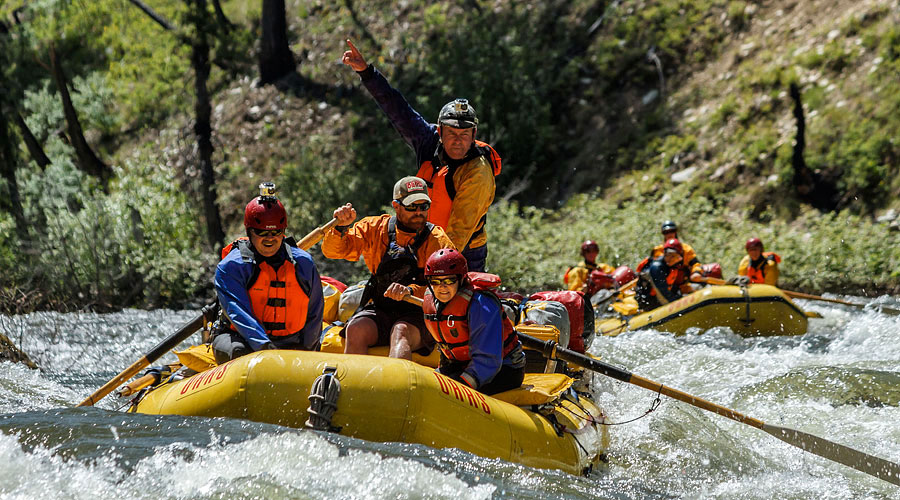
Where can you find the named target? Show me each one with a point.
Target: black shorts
(385, 319)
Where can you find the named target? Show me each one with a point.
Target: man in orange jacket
(395, 249)
(459, 169)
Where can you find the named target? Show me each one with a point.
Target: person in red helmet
(458, 168)
(669, 230)
(268, 289)
(479, 346)
(395, 249)
(665, 279)
(758, 265)
(579, 277)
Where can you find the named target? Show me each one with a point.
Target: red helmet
(588, 246)
(265, 212)
(446, 261)
(754, 243)
(674, 244)
(623, 274)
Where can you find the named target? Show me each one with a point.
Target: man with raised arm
(458, 169)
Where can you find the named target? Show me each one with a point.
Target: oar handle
(315, 235)
(412, 299)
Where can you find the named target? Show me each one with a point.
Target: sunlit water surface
(840, 381)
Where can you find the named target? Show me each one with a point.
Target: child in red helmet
(478, 344)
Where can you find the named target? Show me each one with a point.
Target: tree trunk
(8, 164)
(203, 127)
(87, 160)
(221, 18)
(810, 186)
(31, 142)
(275, 57)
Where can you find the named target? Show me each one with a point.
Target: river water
(840, 381)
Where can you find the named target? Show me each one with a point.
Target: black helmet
(458, 113)
(669, 226)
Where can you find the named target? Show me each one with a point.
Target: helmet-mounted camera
(458, 113)
(267, 191)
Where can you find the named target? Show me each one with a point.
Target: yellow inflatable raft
(753, 310)
(384, 399)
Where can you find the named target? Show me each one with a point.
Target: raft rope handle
(323, 396)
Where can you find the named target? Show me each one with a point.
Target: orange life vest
(441, 189)
(758, 274)
(277, 299)
(449, 323)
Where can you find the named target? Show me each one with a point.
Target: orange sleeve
(364, 239)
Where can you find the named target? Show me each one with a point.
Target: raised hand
(353, 58)
(345, 215)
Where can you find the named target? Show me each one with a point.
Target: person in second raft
(589, 276)
(665, 279)
(479, 346)
(758, 265)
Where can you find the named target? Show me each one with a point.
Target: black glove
(267, 346)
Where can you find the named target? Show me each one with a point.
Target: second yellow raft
(753, 310)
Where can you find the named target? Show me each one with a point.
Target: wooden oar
(163, 347)
(863, 462)
(186, 330)
(799, 295)
(315, 235)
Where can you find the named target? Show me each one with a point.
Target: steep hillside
(609, 115)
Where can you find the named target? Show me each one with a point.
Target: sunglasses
(450, 280)
(417, 207)
(268, 233)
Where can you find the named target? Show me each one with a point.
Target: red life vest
(757, 271)
(441, 189)
(449, 323)
(278, 300)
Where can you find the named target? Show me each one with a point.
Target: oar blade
(863, 462)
